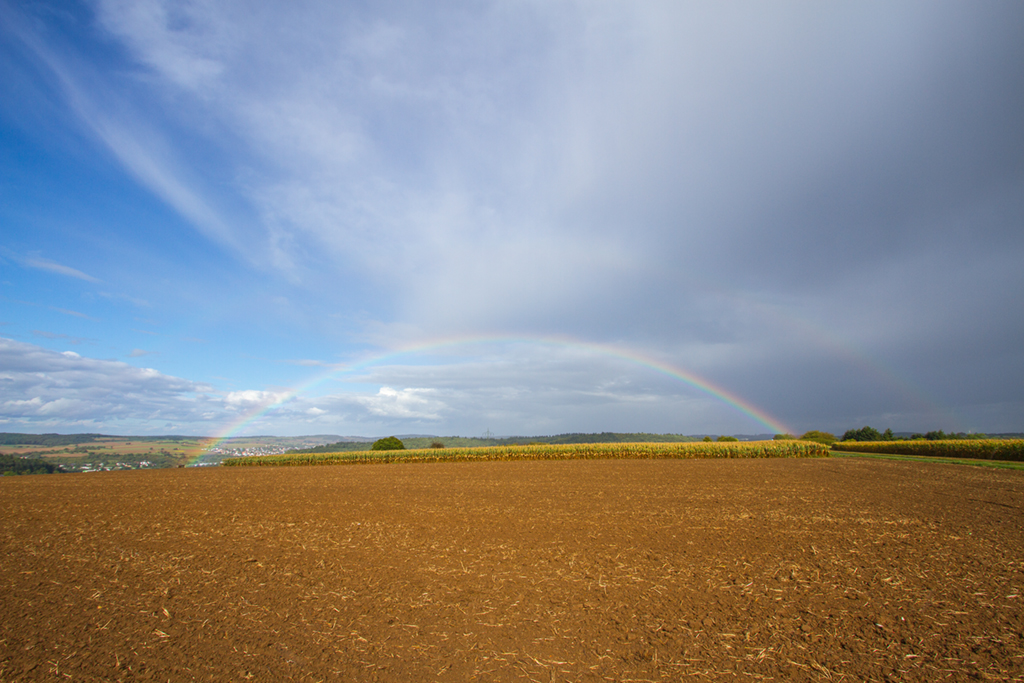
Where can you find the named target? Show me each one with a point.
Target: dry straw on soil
(596, 451)
(768, 569)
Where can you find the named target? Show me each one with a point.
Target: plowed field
(833, 569)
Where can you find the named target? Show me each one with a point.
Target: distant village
(106, 466)
(245, 452)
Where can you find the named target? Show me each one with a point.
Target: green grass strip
(748, 449)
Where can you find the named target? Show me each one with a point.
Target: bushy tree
(863, 434)
(727, 438)
(819, 437)
(436, 444)
(11, 465)
(707, 438)
(391, 443)
(783, 437)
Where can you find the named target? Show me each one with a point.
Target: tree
(783, 437)
(391, 443)
(819, 437)
(708, 438)
(887, 435)
(863, 434)
(727, 438)
(436, 444)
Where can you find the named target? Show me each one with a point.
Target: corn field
(597, 451)
(978, 449)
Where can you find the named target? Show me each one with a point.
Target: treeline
(58, 440)
(870, 434)
(10, 465)
(49, 440)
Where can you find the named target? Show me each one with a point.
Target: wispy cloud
(309, 363)
(114, 120)
(76, 314)
(53, 267)
(39, 263)
(53, 335)
(135, 301)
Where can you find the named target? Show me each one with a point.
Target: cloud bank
(816, 207)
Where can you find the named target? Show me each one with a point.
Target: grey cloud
(533, 387)
(543, 152)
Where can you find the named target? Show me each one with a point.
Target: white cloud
(251, 398)
(68, 391)
(404, 403)
(42, 389)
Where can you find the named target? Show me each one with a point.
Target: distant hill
(13, 439)
(471, 441)
(54, 440)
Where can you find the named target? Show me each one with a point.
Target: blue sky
(377, 218)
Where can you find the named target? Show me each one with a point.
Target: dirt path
(836, 569)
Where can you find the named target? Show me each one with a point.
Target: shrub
(819, 437)
(391, 443)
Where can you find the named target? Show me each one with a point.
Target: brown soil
(835, 569)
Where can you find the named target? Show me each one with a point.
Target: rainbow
(623, 353)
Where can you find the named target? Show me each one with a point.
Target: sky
(516, 218)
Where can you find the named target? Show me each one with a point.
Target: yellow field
(742, 449)
(979, 449)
